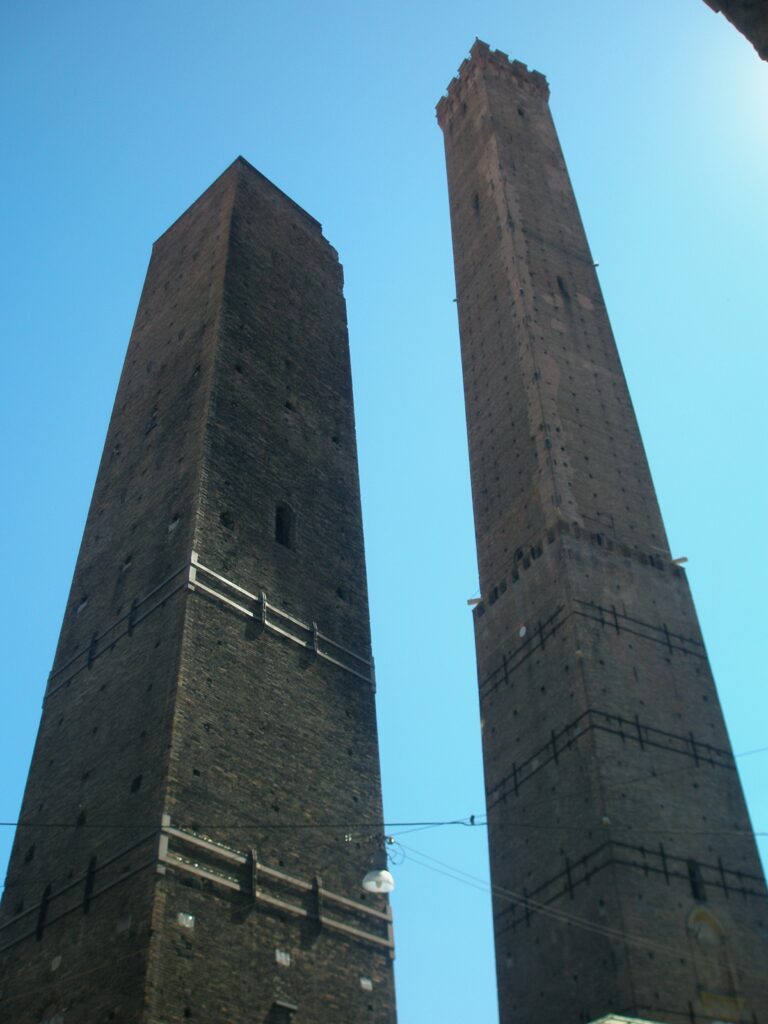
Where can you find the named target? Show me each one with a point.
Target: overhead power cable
(554, 913)
(646, 777)
(469, 820)
(349, 828)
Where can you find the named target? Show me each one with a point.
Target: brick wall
(178, 699)
(614, 806)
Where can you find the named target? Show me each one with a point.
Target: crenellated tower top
(482, 57)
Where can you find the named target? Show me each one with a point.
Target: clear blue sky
(115, 116)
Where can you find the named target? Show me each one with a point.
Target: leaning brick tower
(188, 846)
(626, 878)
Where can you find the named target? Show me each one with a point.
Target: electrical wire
(410, 827)
(350, 828)
(469, 820)
(546, 910)
(612, 826)
(619, 784)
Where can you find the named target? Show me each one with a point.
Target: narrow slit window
(285, 526)
(42, 912)
(697, 882)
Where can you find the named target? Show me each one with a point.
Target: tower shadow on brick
(208, 749)
(626, 877)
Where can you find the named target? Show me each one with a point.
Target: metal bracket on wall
(176, 849)
(252, 606)
(238, 871)
(256, 606)
(76, 894)
(124, 625)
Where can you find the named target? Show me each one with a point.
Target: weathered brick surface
(235, 399)
(613, 799)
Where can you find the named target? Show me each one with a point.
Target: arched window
(710, 954)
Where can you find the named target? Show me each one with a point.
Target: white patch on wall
(283, 957)
(366, 985)
(185, 920)
(56, 963)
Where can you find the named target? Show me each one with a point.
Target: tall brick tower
(626, 876)
(204, 796)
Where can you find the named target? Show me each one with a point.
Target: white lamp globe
(379, 881)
